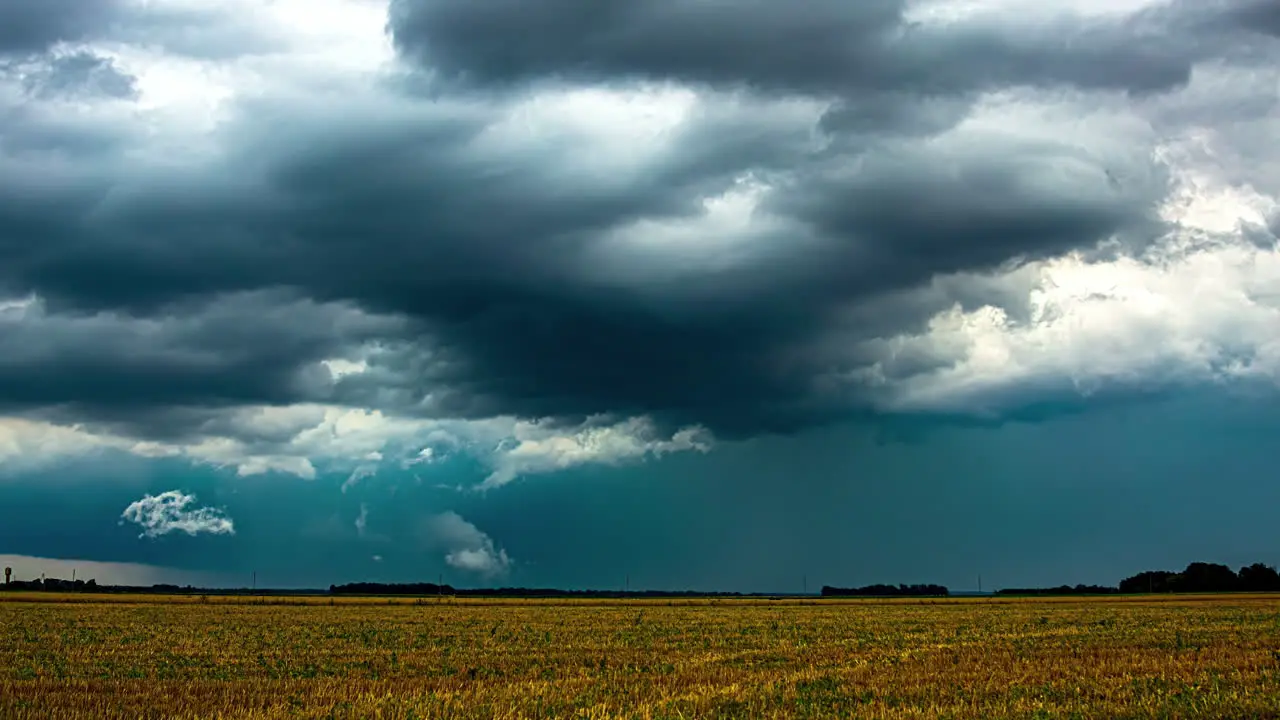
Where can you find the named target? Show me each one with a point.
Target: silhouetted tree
(1203, 577)
(1060, 590)
(1151, 581)
(1207, 577)
(887, 591)
(1259, 578)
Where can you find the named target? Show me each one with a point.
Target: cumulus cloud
(535, 448)
(306, 440)
(170, 512)
(466, 546)
(1202, 305)
(563, 233)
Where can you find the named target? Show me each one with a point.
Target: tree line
(53, 585)
(1062, 590)
(368, 588)
(1204, 577)
(1198, 577)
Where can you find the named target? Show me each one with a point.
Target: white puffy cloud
(466, 547)
(169, 512)
(535, 448)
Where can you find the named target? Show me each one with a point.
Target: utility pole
(979, 582)
(255, 581)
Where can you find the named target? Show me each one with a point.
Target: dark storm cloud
(826, 47)
(406, 217)
(33, 26)
(480, 256)
(402, 219)
(144, 374)
(909, 214)
(1260, 16)
(386, 205)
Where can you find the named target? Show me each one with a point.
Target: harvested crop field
(147, 656)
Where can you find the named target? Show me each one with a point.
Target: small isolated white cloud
(426, 455)
(439, 444)
(479, 560)
(168, 512)
(537, 448)
(377, 558)
(466, 546)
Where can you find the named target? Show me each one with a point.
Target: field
(133, 657)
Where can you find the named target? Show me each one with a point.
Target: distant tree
(1208, 577)
(1060, 590)
(1259, 578)
(1201, 577)
(887, 591)
(1151, 581)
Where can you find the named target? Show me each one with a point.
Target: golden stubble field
(151, 657)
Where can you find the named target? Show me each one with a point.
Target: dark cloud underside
(826, 47)
(487, 278)
(32, 26)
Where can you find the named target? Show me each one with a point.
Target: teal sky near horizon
(1086, 498)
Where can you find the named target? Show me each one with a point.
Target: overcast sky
(723, 295)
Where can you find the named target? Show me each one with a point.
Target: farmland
(188, 657)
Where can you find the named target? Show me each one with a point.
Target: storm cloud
(825, 47)
(733, 216)
(28, 27)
